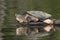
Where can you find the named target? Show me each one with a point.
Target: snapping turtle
(34, 16)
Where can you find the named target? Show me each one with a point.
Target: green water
(20, 6)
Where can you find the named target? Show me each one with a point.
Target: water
(2, 15)
(38, 36)
(49, 6)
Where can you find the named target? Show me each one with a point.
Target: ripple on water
(38, 36)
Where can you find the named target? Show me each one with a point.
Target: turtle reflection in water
(32, 31)
(34, 16)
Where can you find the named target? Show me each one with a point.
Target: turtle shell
(39, 14)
